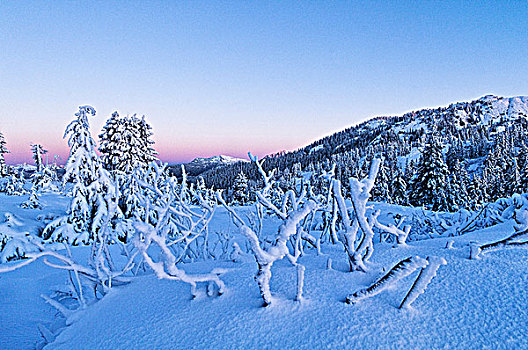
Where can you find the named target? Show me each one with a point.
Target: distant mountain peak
(220, 159)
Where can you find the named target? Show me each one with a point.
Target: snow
(469, 304)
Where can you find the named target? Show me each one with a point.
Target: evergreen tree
(3, 151)
(380, 192)
(38, 151)
(125, 143)
(457, 187)
(399, 189)
(93, 188)
(113, 145)
(523, 169)
(144, 130)
(240, 189)
(429, 185)
(476, 193)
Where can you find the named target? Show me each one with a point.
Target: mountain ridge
(458, 125)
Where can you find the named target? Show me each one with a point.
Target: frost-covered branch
(290, 228)
(357, 248)
(422, 281)
(166, 268)
(508, 242)
(401, 235)
(401, 270)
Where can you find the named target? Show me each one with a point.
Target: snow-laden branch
(508, 242)
(422, 281)
(359, 248)
(401, 270)
(401, 235)
(294, 209)
(166, 268)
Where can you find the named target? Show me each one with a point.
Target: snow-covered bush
(14, 186)
(172, 231)
(293, 210)
(45, 180)
(359, 248)
(33, 202)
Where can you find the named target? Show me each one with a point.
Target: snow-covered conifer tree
(428, 187)
(146, 143)
(399, 189)
(125, 143)
(92, 189)
(240, 189)
(380, 192)
(38, 151)
(3, 151)
(523, 169)
(113, 145)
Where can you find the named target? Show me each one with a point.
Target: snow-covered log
(508, 242)
(422, 281)
(402, 269)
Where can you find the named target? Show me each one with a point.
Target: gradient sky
(232, 76)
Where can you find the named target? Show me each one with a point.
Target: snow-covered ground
(470, 303)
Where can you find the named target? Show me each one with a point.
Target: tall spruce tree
(93, 188)
(112, 144)
(430, 183)
(144, 130)
(399, 193)
(523, 169)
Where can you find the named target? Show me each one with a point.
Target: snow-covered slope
(488, 110)
(458, 124)
(470, 305)
(216, 160)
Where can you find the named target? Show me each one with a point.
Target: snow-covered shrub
(45, 180)
(15, 241)
(19, 247)
(171, 229)
(14, 186)
(293, 210)
(358, 249)
(33, 202)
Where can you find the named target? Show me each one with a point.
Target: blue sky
(228, 77)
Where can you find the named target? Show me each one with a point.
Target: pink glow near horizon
(20, 152)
